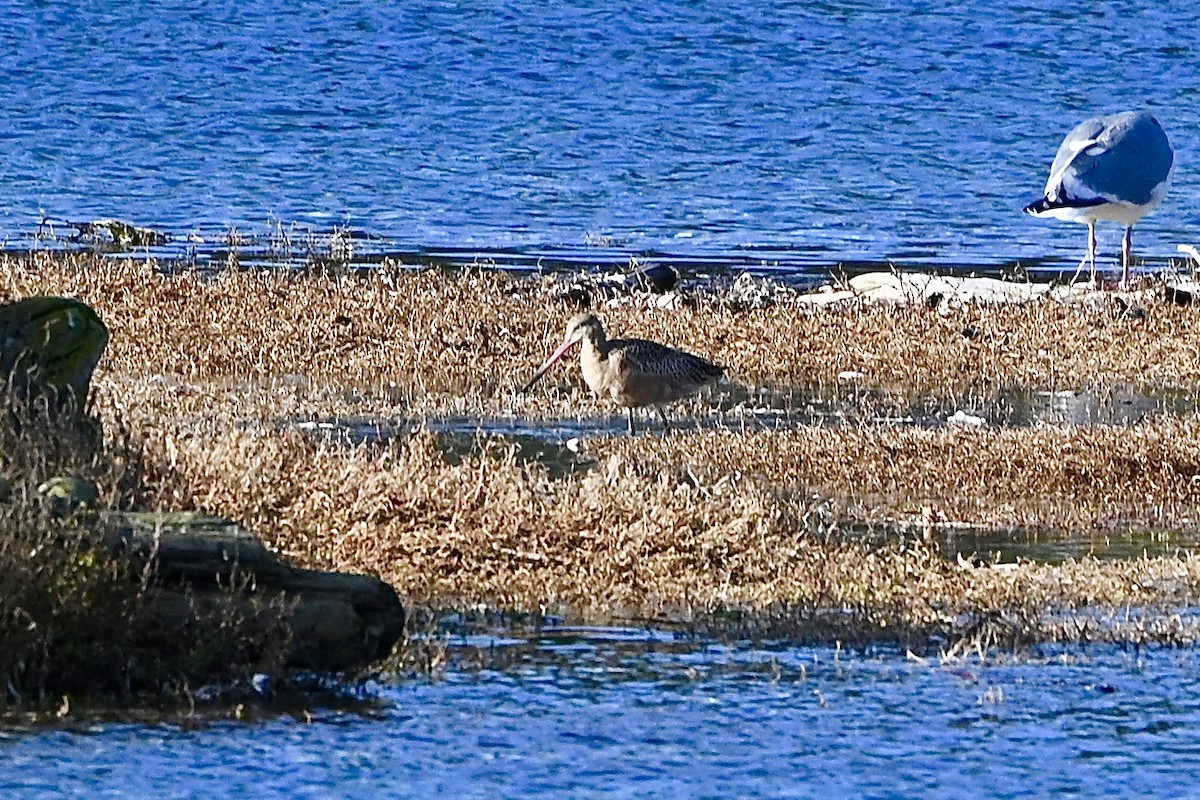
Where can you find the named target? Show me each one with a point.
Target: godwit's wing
(642, 373)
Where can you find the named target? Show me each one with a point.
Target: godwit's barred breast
(632, 372)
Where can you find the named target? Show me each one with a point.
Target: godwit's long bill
(1108, 168)
(632, 372)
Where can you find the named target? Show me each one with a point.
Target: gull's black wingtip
(1039, 206)
(1044, 204)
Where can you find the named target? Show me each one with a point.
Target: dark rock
(1129, 310)
(584, 289)
(656, 278)
(1181, 294)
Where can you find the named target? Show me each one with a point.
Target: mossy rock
(51, 343)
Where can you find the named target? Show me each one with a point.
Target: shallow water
(791, 136)
(734, 407)
(627, 713)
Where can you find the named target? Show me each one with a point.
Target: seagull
(633, 372)
(1114, 168)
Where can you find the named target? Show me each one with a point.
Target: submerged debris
(585, 289)
(118, 233)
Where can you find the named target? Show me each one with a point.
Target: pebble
(962, 419)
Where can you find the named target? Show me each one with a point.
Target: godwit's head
(580, 327)
(583, 326)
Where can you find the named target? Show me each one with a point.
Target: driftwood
(337, 621)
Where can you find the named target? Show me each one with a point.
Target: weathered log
(337, 621)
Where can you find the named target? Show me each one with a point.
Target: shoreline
(213, 373)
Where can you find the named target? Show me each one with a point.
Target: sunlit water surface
(791, 137)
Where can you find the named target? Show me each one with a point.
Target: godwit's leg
(629, 416)
(663, 416)
(1126, 256)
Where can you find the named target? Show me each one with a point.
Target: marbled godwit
(1108, 168)
(633, 372)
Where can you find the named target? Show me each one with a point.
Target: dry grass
(636, 538)
(391, 341)
(711, 526)
(1058, 477)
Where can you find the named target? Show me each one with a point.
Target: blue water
(801, 134)
(609, 716)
